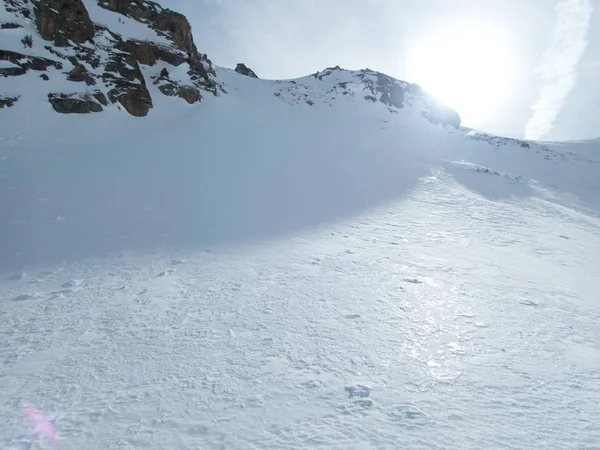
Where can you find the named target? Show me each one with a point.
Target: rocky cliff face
(116, 59)
(242, 69)
(83, 56)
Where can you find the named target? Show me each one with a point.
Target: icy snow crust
(254, 273)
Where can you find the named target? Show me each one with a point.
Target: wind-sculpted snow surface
(246, 274)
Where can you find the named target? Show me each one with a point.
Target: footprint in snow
(529, 303)
(409, 413)
(166, 273)
(24, 297)
(352, 316)
(71, 284)
(358, 391)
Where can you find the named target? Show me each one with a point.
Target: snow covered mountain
(81, 55)
(84, 55)
(327, 262)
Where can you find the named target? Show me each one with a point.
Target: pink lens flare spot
(43, 426)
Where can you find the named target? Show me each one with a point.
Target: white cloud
(558, 70)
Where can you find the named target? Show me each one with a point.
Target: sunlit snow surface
(249, 274)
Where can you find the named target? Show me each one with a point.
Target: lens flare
(43, 427)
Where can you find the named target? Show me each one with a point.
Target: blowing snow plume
(558, 70)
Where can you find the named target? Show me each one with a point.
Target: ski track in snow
(436, 322)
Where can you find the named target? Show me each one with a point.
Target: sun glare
(470, 68)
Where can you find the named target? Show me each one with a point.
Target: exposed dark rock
(123, 74)
(378, 87)
(27, 41)
(389, 90)
(177, 28)
(62, 21)
(437, 112)
(138, 9)
(202, 72)
(72, 35)
(171, 88)
(8, 101)
(9, 26)
(18, 7)
(393, 93)
(241, 68)
(326, 72)
(81, 74)
(189, 93)
(12, 72)
(180, 29)
(98, 95)
(173, 24)
(71, 104)
(137, 102)
(55, 52)
(148, 53)
(124, 66)
(498, 141)
(24, 63)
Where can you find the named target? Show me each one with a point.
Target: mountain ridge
(88, 55)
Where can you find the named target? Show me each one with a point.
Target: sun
(471, 67)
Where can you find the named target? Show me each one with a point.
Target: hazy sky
(552, 48)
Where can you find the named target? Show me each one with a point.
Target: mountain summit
(86, 55)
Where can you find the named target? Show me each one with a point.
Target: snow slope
(255, 273)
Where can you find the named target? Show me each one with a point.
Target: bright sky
(511, 67)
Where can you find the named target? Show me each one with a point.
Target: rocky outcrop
(242, 69)
(178, 27)
(80, 74)
(149, 53)
(73, 104)
(384, 88)
(370, 86)
(20, 8)
(438, 113)
(498, 141)
(9, 26)
(102, 67)
(89, 54)
(127, 84)
(189, 93)
(173, 88)
(24, 63)
(172, 24)
(7, 102)
(62, 21)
